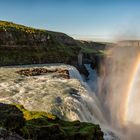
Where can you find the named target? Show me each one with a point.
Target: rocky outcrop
(63, 73)
(19, 123)
(14, 35)
(7, 135)
(11, 117)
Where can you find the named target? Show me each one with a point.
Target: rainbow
(130, 86)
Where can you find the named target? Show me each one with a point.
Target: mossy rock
(33, 125)
(8, 135)
(11, 117)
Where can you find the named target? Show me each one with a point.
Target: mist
(118, 89)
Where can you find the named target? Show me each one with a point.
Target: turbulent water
(45, 93)
(70, 99)
(111, 99)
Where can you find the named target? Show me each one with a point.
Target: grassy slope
(53, 51)
(10, 26)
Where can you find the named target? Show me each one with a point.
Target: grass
(10, 26)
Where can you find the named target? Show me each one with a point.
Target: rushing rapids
(70, 99)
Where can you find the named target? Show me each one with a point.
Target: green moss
(41, 125)
(30, 115)
(36, 121)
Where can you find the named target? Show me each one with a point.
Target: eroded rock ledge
(64, 73)
(18, 123)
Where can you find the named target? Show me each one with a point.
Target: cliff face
(12, 35)
(24, 45)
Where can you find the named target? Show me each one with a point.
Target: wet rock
(3, 132)
(74, 93)
(58, 100)
(63, 73)
(7, 135)
(11, 117)
(83, 70)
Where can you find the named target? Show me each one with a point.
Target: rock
(7, 135)
(3, 133)
(60, 73)
(58, 100)
(24, 124)
(74, 93)
(34, 46)
(83, 70)
(53, 132)
(11, 117)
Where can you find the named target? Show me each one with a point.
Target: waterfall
(70, 99)
(92, 82)
(92, 78)
(74, 73)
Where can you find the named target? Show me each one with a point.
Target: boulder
(11, 117)
(7, 135)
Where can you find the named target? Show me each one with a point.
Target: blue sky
(88, 19)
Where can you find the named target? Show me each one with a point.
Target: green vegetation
(33, 125)
(95, 48)
(34, 55)
(25, 45)
(88, 50)
(30, 115)
(10, 26)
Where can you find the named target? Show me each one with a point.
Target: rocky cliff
(24, 45)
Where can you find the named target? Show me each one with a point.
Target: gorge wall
(24, 45)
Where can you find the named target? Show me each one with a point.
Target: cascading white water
(67, 98)
(92, 78)
(70, 99)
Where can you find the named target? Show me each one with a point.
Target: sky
(82, 19)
